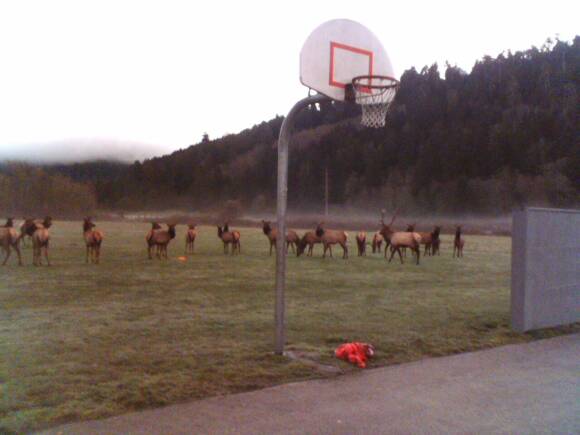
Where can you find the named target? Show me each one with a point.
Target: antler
(383, 211)
(394, 216)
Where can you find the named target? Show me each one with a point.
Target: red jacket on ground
(355, 353)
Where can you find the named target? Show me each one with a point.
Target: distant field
(79, 341)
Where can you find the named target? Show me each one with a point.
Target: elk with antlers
(458, 242)
(93, 240)
(272, 234)
(399, 239)
(361, 243)
(229, 237)
(40, 238)
(190, 236)
(9, 239)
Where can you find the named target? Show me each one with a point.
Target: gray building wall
(545, 268)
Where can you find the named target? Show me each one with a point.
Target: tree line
(503, 135)
(30, 192)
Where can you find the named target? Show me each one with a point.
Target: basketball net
(375, 95)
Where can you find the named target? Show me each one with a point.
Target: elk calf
(458, 242)
(229, 237)
(272, 233)
(361, 243)
(332, 237)
(190, 236)
(9, 238)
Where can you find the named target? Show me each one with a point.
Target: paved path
(518, 389)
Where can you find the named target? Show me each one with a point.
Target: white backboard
(336, 52)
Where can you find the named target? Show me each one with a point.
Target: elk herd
(158, 238)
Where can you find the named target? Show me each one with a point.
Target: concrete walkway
(518, 389)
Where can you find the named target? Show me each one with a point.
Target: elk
(272, 233)
(160, 239)
(361, 243)
(149, 238)
(399, 239)
(9, 238)
(436, 241)
(435, 246)
(228, 237)
(93, 240)
(23, 235)
(308, 239)
(40, 238)
(332, 237)
(458, 242)
(377, 242)
(427, 239)
(190, 236)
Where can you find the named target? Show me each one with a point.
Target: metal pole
(326, 192)
(283, 142)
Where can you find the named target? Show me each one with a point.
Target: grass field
(79, 341)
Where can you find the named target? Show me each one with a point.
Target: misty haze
(200, 200)
(81, 150)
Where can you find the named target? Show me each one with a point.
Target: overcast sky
(82, 79)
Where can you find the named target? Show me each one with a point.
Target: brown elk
(23, 235)
(228, 237)
(40, 238)
(436, 241)
(361, 243)
(377, 242)
(149, 238)
(160, 239)
(436, 245)
(9, 238)
(332, 237)
(458, 242)
(272, 234)
(427, 239)
(399, 239)
(308, 239)
(93, 240)
(190, 236)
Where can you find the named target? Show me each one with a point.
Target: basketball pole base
(283, 143)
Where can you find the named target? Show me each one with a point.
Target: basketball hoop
(374, 94)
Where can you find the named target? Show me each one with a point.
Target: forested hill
(505, 134)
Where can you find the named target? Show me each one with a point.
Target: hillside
(503, 135)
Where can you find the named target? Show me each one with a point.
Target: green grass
(80, 341)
